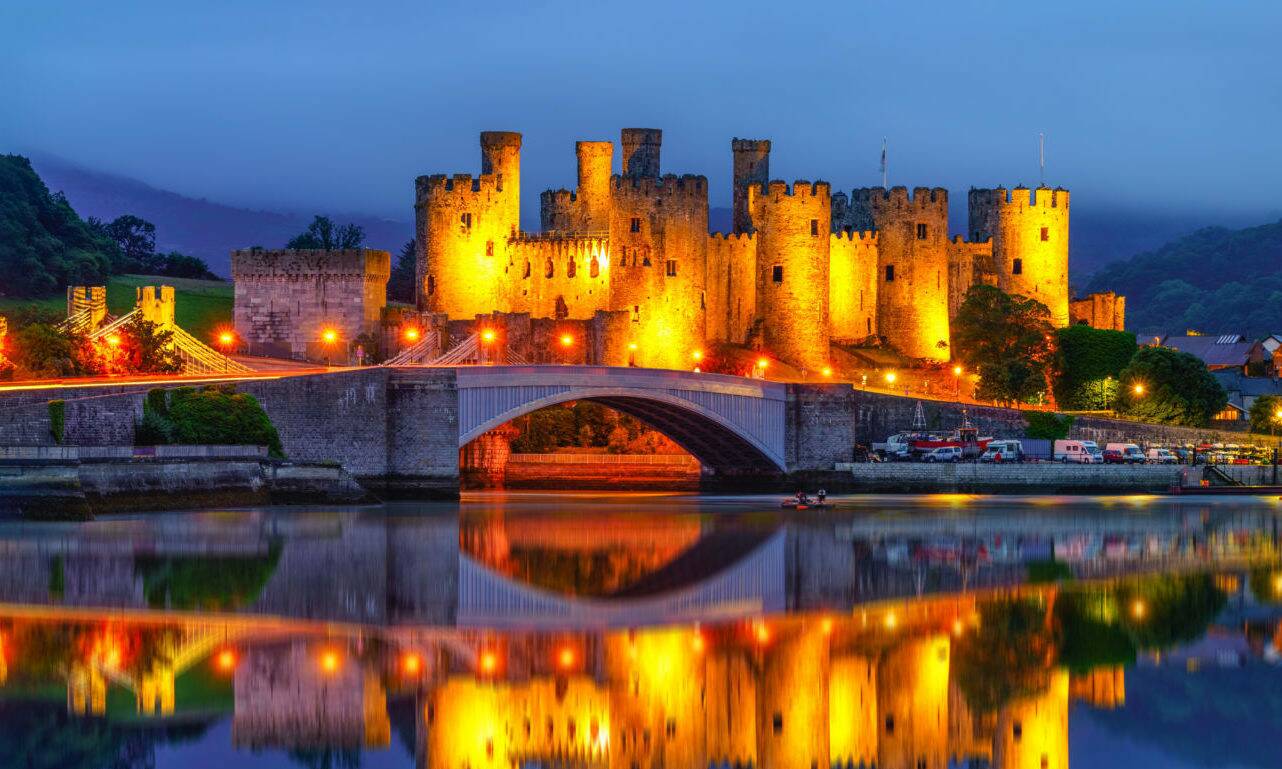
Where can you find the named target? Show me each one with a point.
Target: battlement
(798, 189)
(670, 185)
(733, 237)
(438, 185)
(501, 139)
(303, 263)
(960, 240)
(750, 145)
(899, 197)
(642, 135)
(1021, 196)
(863, 237)
(565, 242)
(561, 197)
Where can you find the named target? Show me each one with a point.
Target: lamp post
(329, 336)
(227, 341)
(957, 372)
(487, 338)
(566, 341)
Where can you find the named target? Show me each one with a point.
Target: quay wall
(1031, 478)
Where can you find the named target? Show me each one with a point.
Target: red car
(1114, 457)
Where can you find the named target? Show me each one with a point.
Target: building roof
(1214, 351)
(1243, 390)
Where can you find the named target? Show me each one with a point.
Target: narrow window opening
(890, 273)
(814, 228)
(636, 224)
(778, 723)
(548, 268)
(570, 269)
(1017, 267)
(776, 273)
(431, 285)
(594, 268)
(466, 220)
(890, 724)
(1046, 234)
(670, 269)
(489, 248)
(1017, 731)
(921, 231)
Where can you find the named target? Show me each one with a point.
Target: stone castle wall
(1104, 310)
(852, 285)
(286, 299)
(731, 287)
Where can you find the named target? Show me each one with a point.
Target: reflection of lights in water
(329, 661)
(762, 633)
(1138, 609)
(412, 663)
(565, 658)
(891, 621)
(489, 662)
(957, 627)
(697, 643)
(826, 625)
(603, 737)
(1277, 583)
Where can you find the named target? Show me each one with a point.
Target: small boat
(792, 503)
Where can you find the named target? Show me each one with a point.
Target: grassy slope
(202, 305)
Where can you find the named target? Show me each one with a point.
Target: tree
(149, 349)
(323, 234)
(1265, 414)
(1052, 427)
(136, 239)
(1009, 341)
(400, 288)
(43, 351)
(1165, 385)
(44, 245)
(1009, 656)
(1092, 359)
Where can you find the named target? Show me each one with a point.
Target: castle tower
(1032, 732)
(912, 266)
(462, 226)
(658, 263)
(793, 228)
(501, 155)
(751, 167)
(1030, 242)
(912, 704)
(596, 160)
(641, 152)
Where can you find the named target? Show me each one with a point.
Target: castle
(803, 269)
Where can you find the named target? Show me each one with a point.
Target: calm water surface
(649, 631)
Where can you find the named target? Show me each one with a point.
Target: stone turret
(751, 167)
(1029, 229)
(641, 152)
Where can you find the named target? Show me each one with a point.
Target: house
(1226, 352)
(1243, 391)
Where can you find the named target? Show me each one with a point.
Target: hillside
(198, 227)
(1215, 280)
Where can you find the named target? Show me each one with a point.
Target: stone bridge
(403, 427)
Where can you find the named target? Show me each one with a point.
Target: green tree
(149, 349)
(1009, 341)
(1168, 386)
(1266, 414)
(1010, 655)
(1092, 359)
(136, 240)
(209, 415)
(44, 245)
(324, 234)
(43, 351)
(1040, 424)
(400, 288)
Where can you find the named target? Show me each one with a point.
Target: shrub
(57, 420)
(1043, 424)
(210, 415)
(1176, 387)
(1093, 360)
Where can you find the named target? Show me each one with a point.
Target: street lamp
(827, 372)
(957, 372)
(890, 377)
(1138, 389)
(411, 334)
(329, 336)
(226, 340)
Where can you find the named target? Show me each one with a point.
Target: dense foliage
(1215, 279)
(44, 350)
(210, 415)
(400, 287)
(1042, 424)
(324, 234)
(204, 583)
(135, 241)
(1092, 360)
(584, 424)
(1164, 385)
(1009, 656)
(44, 245)
(1009, 341)
(1264, 414)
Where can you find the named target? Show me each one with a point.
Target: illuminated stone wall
(751, 169)
(731, 287)
(912, 266)
(852, 711)
(1032, 733)
(912, 704)
(556, 277)
(1104, 310)
(285, 299)
(969, 264)
(852, 285)
(793, 239)
(1029, 230)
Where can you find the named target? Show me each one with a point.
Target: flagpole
(1041, 157)
(883, 162)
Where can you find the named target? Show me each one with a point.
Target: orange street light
(1139, 389)
(957, 370)
(890, 377)
(1138, 609)
(226, 338)
(113, 341)
(489, 662)
(565, 658)
(763, 363)
(697, 355)
(329, 661)
(412, 663)
(827, 371)
(763, 633)
(226, 660)
(566, 340)
(697, 643)
(632, 346)
(411, 334)
(487, 335)
(329, 336)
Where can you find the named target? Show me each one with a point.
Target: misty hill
(197, 226)
(1216, 280)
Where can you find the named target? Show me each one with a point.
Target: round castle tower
(596, 160)
(1030, 242)
(641, 152)
(751, 167)
(462, 227)
(792, 269)
(912, 266)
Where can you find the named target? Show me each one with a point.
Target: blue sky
(338, 105)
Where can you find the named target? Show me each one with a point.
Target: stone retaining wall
(1040, 478)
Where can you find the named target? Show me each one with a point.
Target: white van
(1162, 457)
(1082, 452)
(1131, 454)
(1010, 450)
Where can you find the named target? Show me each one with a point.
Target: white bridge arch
(725, 421)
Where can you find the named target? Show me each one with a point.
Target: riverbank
(1038, 477)
(77, 482)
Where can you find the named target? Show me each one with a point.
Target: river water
(649, 630)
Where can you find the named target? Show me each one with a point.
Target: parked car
(1081, 452)
(1130, 452)
(943, 454)
(1114, 457)
(1162, 457)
